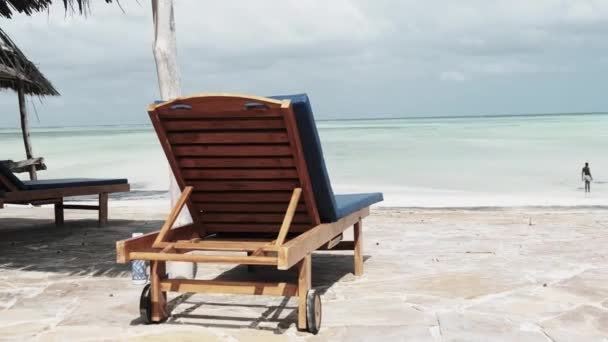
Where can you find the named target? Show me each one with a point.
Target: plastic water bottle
(139, 269)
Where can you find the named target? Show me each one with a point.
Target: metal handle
(255, 105)
(181, 106)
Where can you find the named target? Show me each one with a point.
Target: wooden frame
(157, 248)
(214, 193)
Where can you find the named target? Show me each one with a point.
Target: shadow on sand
(328, 268)
(81, 248)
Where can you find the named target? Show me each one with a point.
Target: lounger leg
(159, 302)
(103, 209)
(59, 212)
(250, 268)
(358, 249)
(304, 283)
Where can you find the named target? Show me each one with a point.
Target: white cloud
(457, 76)
(334, 50)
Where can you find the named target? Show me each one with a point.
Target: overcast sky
(355, 58)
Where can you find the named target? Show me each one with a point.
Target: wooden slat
(242, 196)
(238, 185)
(216, 286)
(220, 259)
(222, 245)
(254, 228)
(50, 201)
(219, 124)
(220, 107)
(233, 150)
(247, 207)
(341, 246)
(189, 174)
(220, 101)
(253, 217)
(227, 138)
(80, 206)
(220, 114)
(235, 162)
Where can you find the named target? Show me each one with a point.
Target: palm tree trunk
(25, 130)
(167, 69)
(165, 55)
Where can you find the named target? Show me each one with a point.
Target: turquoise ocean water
(441, 162)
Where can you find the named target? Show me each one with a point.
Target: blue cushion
(327, 204)
(70, 183)
(6, 172)
(311, 144)
(347, 204)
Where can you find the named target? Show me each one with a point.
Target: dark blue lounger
(14, 190)
(46, 184)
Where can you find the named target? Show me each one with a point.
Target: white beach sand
(430, 275)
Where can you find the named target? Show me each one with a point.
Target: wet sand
(526, 274)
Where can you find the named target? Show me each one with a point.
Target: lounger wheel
(313, 311)
(145, 305)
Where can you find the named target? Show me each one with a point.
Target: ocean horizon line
(476, 116)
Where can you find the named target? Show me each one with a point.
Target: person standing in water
(586, 177)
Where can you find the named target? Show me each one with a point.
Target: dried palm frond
(8, 7)
(17, 71)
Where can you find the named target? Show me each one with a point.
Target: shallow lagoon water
(441, 162)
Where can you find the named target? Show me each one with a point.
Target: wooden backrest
(243, 157)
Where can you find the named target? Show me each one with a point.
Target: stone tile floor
(430, 275)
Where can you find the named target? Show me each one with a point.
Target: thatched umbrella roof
(17, 71)
(7, 7)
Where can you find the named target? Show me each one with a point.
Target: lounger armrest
(297, 248)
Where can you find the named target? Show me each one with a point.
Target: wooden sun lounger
(15, 191)
(250, 187)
